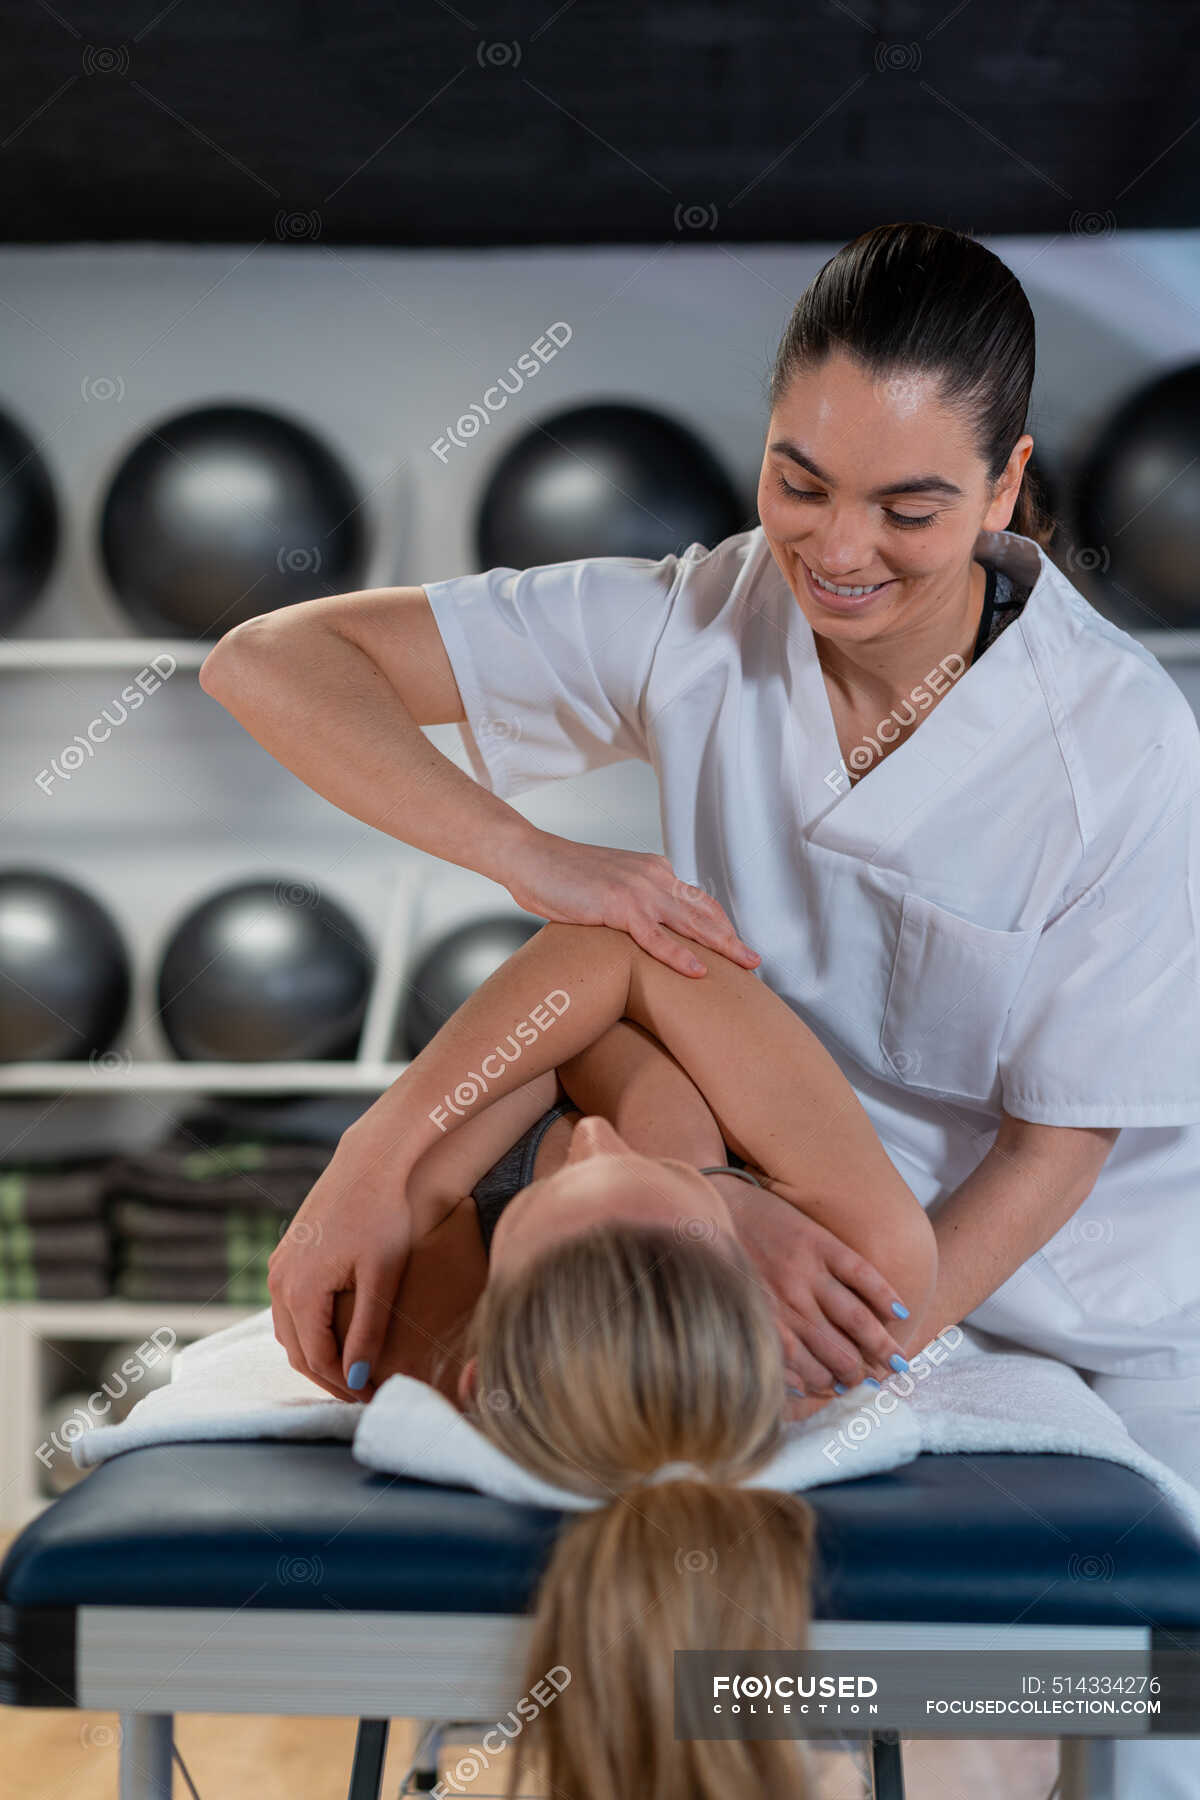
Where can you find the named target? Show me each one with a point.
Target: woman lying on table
(639, 1306)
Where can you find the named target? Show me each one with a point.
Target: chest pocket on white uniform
(952, 986)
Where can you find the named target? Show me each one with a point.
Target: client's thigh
(445, 1275)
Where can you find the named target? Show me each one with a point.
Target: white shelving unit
(49, 1348)
(181, 802)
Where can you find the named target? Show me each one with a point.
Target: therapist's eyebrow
(913, 484)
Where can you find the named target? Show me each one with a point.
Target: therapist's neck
(878, 667)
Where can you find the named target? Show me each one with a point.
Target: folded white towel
(961, 1393)
(236, 1383)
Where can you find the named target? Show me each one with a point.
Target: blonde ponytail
(613, 1353)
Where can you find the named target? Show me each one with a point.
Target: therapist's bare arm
(337, 690)
(1025, 1189)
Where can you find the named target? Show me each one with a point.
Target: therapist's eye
(896, 518)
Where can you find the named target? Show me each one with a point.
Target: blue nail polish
(901, 1312)
(897, 1363)
(870, 1379)
(839, 1387)
(358, 1374)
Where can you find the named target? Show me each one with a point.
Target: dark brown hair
(913, 298)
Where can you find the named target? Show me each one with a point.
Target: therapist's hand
(631, 890)
(828, 1300)
(354, 1230)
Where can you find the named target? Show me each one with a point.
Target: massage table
(286, 1578)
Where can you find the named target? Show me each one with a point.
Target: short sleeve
(1105, 1028)
(552, 663)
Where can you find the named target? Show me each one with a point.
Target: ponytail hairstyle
(912, 298)
(610, 1354)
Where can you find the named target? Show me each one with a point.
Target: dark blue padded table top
(1044, 1539)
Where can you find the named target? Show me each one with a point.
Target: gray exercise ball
(65, 976)
(29, 522)
(454, 966)
(604, 480)
(265, 971)
(226, 512)
(1137, 504)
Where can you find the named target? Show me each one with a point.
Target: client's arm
(628, 1078)
(779, 1098)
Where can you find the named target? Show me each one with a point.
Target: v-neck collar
(865, 818)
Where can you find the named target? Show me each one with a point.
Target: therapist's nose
(841, 559)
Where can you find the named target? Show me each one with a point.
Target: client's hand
(354, 1230)
(825, 1296)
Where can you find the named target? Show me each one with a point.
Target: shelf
(120, 1318)
(32, 654)
(31, 1375)
(184, 1077)
(1169, 646)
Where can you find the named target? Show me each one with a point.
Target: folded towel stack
(55, 1239)
(197, 1221)
(193, 1218)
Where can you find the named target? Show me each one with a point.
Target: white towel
(961, 1393)
(236, 1383)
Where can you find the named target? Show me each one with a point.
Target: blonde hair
(612, 1353)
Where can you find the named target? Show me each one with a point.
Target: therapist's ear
(467, 1383)
(999, 511)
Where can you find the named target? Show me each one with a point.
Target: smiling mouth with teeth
(844, 593)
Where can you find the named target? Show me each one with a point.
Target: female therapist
(954, 809)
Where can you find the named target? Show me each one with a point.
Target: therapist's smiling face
(876, 484)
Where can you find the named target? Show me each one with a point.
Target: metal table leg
(1086, 1768)
(887, 1768)
(370, 1748)
(146, 1748)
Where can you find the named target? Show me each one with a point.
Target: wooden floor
(48, 1754)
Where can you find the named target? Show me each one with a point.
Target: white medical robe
(1001, 914)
